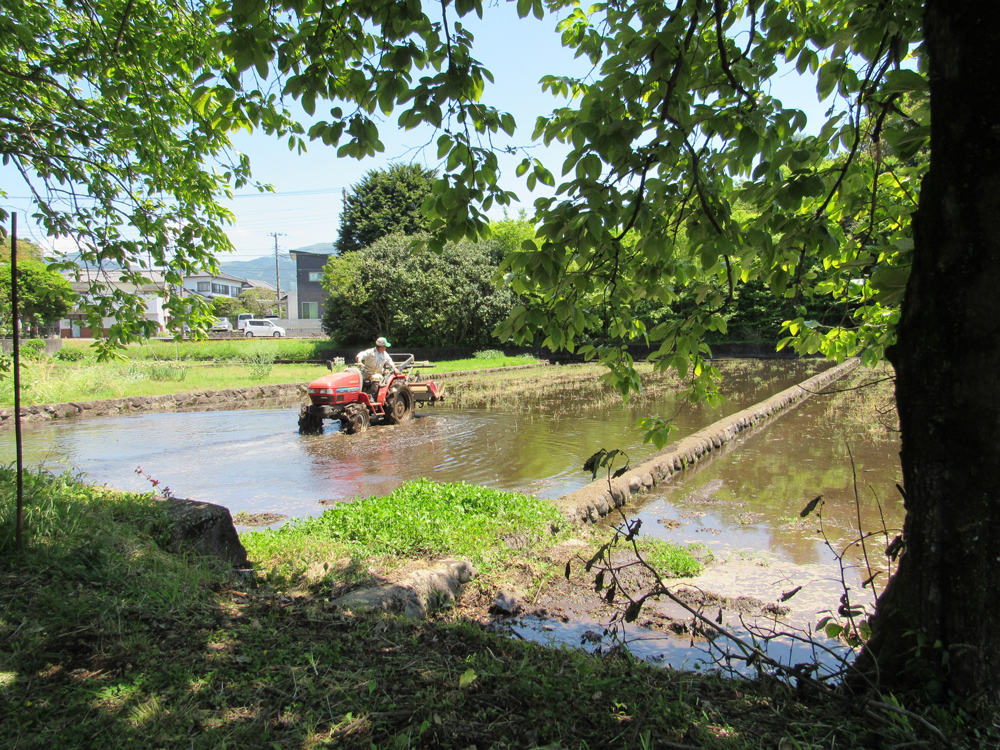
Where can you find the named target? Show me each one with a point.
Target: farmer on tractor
(374, 392)
(373, 363)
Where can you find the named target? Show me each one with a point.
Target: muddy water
(744, 507)
(255, 460)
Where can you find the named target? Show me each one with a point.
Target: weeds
(420, 519)
(259, 360)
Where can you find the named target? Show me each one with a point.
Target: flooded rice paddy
(743, 505)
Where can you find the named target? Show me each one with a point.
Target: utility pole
(277, 269)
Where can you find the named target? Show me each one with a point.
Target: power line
(279, 194)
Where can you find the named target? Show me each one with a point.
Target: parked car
(222, 324)
(241, 320)
(256, 327)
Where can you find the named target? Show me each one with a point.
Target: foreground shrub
(70, 354)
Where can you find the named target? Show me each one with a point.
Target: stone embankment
(589, 504)
(230, 398)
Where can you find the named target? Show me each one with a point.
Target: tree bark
(938, 621)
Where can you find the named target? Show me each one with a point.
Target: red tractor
(389, 399)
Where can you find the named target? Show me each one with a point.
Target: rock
(423, 591)
(206, 528)
(505, 604)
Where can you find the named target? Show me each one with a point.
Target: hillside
(262, 269)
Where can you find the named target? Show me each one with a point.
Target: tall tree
(674, 126)
(44, 296)
(679, 124)
(947, 359)
(386, 201)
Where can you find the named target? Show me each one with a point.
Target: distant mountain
(262, 269)
(323, 248)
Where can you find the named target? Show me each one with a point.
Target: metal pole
(16, 350)
(277, 273)
(277, 268)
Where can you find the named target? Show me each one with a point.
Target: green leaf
(905, 80)
(467, 678)
(827, 81)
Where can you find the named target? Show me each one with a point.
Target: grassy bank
(109, 640)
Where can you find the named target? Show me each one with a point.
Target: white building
(221, 284)
(81, 280)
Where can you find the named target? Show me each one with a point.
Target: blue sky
(306, 206)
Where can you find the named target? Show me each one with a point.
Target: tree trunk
(945, 597)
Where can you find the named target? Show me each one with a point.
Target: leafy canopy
(117, 115)
(676, 127)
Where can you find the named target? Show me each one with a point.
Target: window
(315, 276)
(220, 288)
(234, 291)
(204, 286)
(310, 310)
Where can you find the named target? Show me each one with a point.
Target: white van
(256, 327)
(241, 320)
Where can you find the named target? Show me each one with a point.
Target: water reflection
(752, 497)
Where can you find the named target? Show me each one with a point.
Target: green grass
(671, 560)
(420, 519)
(215, 350)
(52, 382)
(459, 365)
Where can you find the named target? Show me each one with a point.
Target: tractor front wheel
(355, 419)
(310, 423)
(400, 406)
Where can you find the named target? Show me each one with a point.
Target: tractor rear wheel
(400, 405)
(310, 423)
(355, 419)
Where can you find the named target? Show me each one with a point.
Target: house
(221, 284)
(204, 285)
(309, 273)
(81, 280)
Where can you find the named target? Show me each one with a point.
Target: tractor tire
(355, 419)
(309, 422)
(400, 406)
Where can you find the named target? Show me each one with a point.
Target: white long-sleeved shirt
(373, 362)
